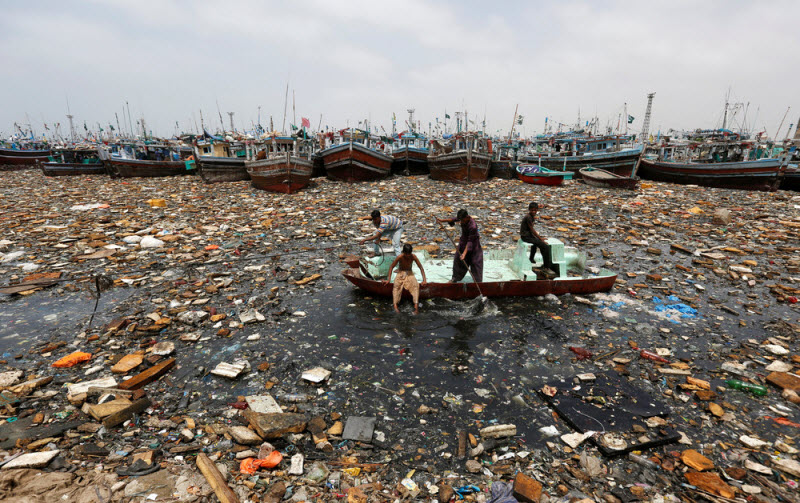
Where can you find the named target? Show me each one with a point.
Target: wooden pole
(215, 479)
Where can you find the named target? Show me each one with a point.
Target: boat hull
(619, 163)
(72, 168)
(22, 159)
(791, 179)
(607, 180)
(763, 175)
(353, 162)
(553, 180)
(286, 174)
(134, 168)
(459, 167)
(222, 169)
(503, 168)
(410, 162)
(575, 286)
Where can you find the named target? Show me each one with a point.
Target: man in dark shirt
(529, 235)
(469, 254)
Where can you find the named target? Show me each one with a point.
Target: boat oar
(469, 270)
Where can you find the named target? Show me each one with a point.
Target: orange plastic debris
(211, 247)
(783, 421)
(73, 359)
(251, 465)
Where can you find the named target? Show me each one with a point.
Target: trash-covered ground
(226, 357)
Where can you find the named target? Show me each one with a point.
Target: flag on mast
(305, 122)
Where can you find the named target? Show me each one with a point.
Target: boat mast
(646, 125)
(778, 131)
(285, 103)
(513, 123)
(725, 114)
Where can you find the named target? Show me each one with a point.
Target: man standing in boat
(387, 226)
(405, 277)
(469, 254)
(529, 235)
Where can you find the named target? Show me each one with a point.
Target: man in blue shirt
(387, 226)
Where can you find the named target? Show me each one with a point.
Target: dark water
(478, 365)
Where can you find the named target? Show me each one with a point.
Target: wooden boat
(353, 159)
(21, 159)
(148, 160)
(410, 153)
(602, 153)
(219, 160)
(286, 167)
(762, 174)
(74, 161)
(506, 273)
(537, 175)
(504, 161)
(605, 179)
(463, 158)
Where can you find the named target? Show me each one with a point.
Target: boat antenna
(294, 113)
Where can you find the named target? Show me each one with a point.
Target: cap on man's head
(462, 213)
(375, 214)
(533, 206)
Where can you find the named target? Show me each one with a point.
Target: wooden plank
(215, 480)
(148, 375)
(127, 413)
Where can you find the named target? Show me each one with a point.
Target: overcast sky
(353, 60)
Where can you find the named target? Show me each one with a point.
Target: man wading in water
(405, 277)
(469, 254)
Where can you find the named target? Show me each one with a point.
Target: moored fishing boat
(219, 160)
(353, 155)
(73, 161)
(11, 158)
(148, 160)
(572, 154)
(506, 273)
(286, 167)
(410, 153)
(761, 174)
(461, 158)
(538, 175)
(607, 180)
(504, 161)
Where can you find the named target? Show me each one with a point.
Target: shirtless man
(405, 277)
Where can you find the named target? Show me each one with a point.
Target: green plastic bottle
(754, 389)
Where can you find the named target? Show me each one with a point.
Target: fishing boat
(220, 160)
(461, 158)
(129, 160)
(538, 175)
(410, 153)
(504, 161)
(506, 273)
(726, 165)
(354, 155)
(11, 158)
(605, 179)
(571, 153)
(73, 161)
(286, 166)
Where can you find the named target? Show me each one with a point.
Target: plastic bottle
(641, 460)
(294, 397)
(754, 389)
(652, 356)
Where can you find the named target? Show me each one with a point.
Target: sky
(350, 61)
